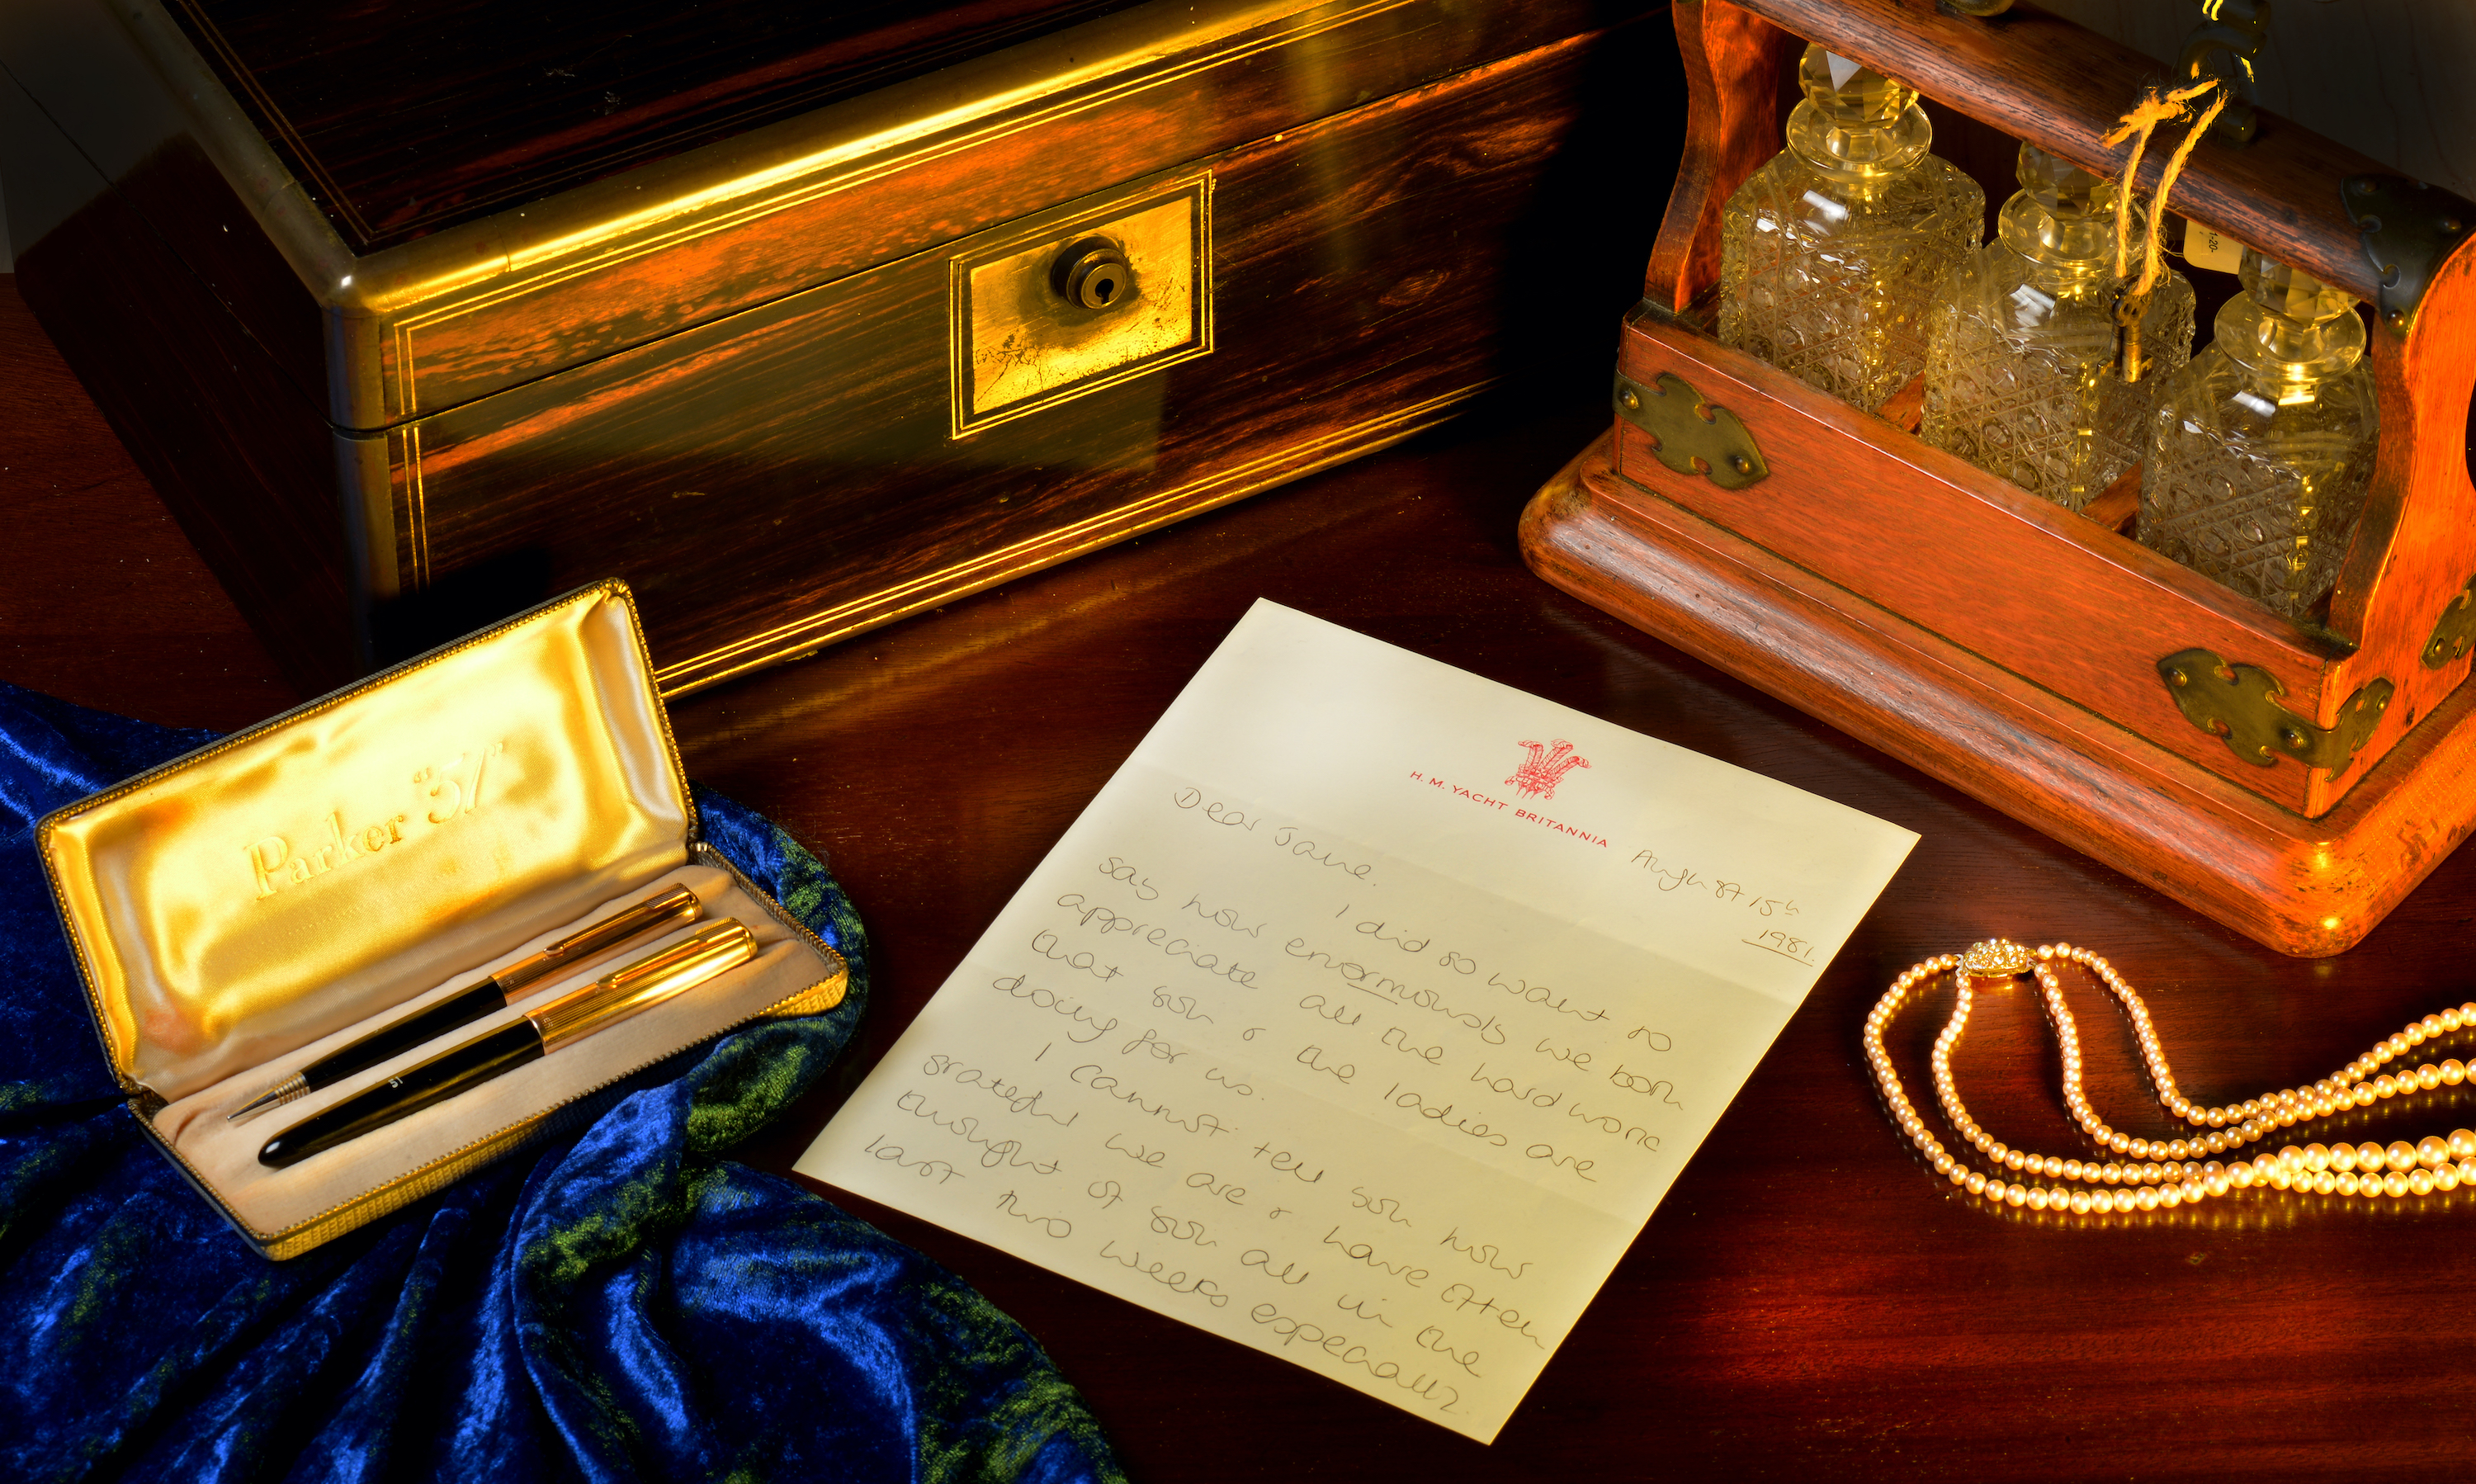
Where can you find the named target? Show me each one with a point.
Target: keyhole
(1094, 273)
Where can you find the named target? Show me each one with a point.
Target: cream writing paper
(1365, 1016)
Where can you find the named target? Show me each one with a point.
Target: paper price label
(2207, 247)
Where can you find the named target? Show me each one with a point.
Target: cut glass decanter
(2023, 370)
(1832, 254)
(2260, 448)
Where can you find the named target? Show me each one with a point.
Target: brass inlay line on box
(300, 147)
(781, 187)
(417, 549)
(376, 299)
(1175, 222)
(960, 578)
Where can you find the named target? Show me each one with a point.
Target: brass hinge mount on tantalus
(2454, 631)
(2240, 703)
(2409, 228)
(1689, 435)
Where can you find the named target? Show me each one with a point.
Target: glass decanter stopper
(2023, 375)
(2260, 448)
(1832, 254)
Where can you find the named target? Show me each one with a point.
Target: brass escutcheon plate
(1027, 331)
(1687, 433)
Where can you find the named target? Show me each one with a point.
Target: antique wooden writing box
(800, 317)
(255, 905)
(2293, 780)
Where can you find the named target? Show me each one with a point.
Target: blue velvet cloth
(622, 1303)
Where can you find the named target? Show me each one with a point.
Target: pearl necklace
(2147, 1174)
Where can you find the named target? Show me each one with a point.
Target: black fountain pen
(668, 971)
(492, 995)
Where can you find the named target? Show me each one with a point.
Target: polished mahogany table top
(1808, 1301)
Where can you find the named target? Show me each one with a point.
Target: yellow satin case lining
(327, 865)
(336, 861)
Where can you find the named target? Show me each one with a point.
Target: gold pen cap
(578, 947)
(712, 949)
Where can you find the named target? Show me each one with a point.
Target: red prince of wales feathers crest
(1548, 766)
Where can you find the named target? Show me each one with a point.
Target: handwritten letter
(1365, 1016)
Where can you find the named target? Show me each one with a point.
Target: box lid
(289, 879)
(566, 236)
(408, 118)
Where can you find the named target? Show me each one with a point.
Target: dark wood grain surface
(788, 475)
(249, 462)
(1809, 1301)
(1392, 200)
(1188, 103)
(408, 118)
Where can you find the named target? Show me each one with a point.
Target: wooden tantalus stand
(2294, 780)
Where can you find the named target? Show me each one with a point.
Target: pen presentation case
(797, 317)
(2293, 778)
(243, 910)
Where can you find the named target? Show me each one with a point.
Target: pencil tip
(286, 1091)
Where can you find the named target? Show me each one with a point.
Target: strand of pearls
(2148, 1174)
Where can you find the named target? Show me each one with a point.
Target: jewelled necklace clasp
(1995, 958)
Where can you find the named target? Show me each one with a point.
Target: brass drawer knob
(1094, 273)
